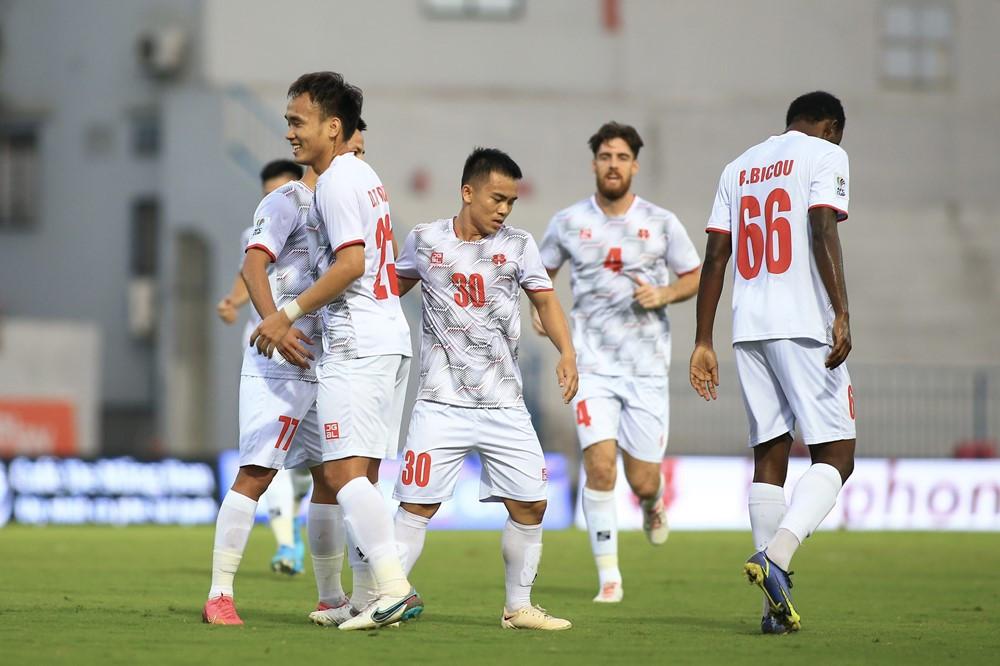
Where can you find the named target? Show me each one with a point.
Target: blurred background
(132, 134)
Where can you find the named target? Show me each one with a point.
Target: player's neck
(464, 228)
(615, 207)
(324, 162)
(309, 178)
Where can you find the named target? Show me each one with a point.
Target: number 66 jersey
(471, 312)
(763, 201)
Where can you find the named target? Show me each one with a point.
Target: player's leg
(327, 539)
(645, 424)
(280, 502)
(597, 424)
(514, 472)
(270, 412)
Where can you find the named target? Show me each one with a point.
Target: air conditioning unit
(162, 51)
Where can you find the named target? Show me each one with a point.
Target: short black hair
(814, 107)
(484, 161)
(334, 96)
(362, 125)
(277, 168)
(613, 130)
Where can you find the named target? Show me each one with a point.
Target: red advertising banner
(37, 427)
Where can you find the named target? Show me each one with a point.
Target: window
(19, 177)
(502, 10)
(918, 41)
(146, 133)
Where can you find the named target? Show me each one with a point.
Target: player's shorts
(787, 387)
(306, 450)
(360, 405)
(439, 438)
(633, 410)
(273, 413)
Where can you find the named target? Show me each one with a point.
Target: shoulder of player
(651, 210)
(279, 202)
(577, 213)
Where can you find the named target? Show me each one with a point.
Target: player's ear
(467, 193)
(333, 127)
(635, 167)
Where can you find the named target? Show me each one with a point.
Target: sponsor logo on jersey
(331, 430)
(644, 233)
(585, 234)
(499, 259)
(437, 258)
(841, 187)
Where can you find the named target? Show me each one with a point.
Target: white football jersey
(352, 208)
(612, 333)
(280, 229)
(471, 320)
(763, 202)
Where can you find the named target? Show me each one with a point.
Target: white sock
(655, 499)
(602, 528)
(279, 498)
(813, 498)
(411, 530)
(326, 543)
(365, 511)
(522, 551)
(363, 590)
(232, 530)
(767, 508)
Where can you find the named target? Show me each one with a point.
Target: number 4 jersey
(352, 208)
(763, 201)
(471, 311)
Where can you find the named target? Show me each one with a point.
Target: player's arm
(704, 368)
(551, 316)
(653, 297)
(228, 308)
(830, 264)
(536, 322)
(405, 284)
(254, 276)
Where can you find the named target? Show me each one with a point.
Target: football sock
(326, 543)
(411, 530)
(363, 589)
(813, 498)
(232, 530)
(647, 504)
(279, 498)
(767, 508)
(602, 528)
(522, 551)
(365, 511)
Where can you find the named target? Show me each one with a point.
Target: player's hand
(650, 296)
(566, 374)
(841, 341)
(704, 372)
(291, 348)
(536, 322)
(226, 310)
(269, 334)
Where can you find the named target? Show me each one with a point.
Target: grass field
(126, 596)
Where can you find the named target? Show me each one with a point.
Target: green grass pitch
(133, 596)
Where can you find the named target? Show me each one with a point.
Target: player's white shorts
(439, 438)
(786, 386)
(633, 410)
(306, 449)
(360, 405)
(273, 420)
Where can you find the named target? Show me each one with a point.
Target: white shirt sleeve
(721, 218)
(533, 274)
(406, 262)
(682, 257)
(339, 207)
(552, 251)
(829, 186)
(272, 225)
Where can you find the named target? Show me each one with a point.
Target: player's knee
(602, 476)
(846, 468)
(532, 512)
(645, 487)
(423, 510)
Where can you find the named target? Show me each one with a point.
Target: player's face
(271, 184)
(490, 201)
(614, 166)
(309, 133)
(357, 145)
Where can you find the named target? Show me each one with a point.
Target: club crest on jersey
(585, 234)
(331, 430)
(644, 233)
(841, 187)
(499, 259)
(437, 258)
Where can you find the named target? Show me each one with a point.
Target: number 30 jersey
(763, 202)
(471, 320)
(352, 208)
(612, 333)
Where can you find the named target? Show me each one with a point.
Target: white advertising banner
(710, 493)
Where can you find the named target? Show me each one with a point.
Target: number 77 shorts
(440, 437)
(274, 428)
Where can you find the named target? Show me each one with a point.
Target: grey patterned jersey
(613, 334)
(471, 311)
(281, 231)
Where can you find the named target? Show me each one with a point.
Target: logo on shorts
(585, 234)
(545, 474)
(644, 233)
(437, 258)
(331, 430)
(499, 259)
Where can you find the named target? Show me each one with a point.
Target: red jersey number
(416, 468)
(383, 238)
(470, 290)
(772, 242)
